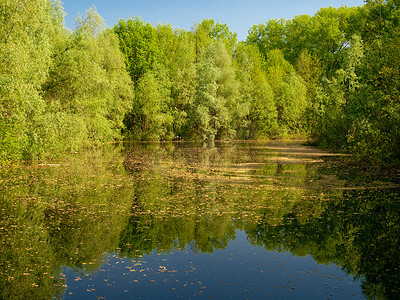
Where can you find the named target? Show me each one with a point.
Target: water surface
(239, 220)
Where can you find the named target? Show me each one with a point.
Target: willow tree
(25, 55)
(177, 57)
(256, 114)
(289, 91)
(150, 118)
(89, 90)
(209, 31)
(216, 95)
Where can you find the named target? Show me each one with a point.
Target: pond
(230, 220)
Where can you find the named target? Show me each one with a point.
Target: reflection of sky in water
(240, 271)
(215, 200)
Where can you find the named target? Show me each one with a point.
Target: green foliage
(291, 102)
(138, 42)
(208, 30)
(324, 36)
(256, 115)
(179, 55)
(208, 109)
(366, 89)
(289, 91)
(150, 119)
(216, 94)
(60, 91)
(333, 76)
(309, 68)
(348, 60)
(88, 84)
(329, 38)
(268, 36)
(25, 55)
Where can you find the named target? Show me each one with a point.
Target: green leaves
(150, 118)
(256, 114)
(216, 94)
(138, 42)
(289, 91)
(323, 75)
(25, 55)
(61, 90)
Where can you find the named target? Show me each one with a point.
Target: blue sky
(238, 15)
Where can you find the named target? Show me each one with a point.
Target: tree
(374, 107)
(208, 30)
(177, 48)
(289, 91)
(149, 118)
(25, 54)
(138, 42)
(268, 36)
(216, 94)
(207, 110)
(88, 91)
(309, 68)
(325, 36)
(256, 115)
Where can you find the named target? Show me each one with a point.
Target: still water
(237, 220)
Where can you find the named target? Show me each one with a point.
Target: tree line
(333, 77)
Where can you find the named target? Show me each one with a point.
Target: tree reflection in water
(165, 197)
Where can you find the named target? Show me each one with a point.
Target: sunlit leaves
(150, 119)
(25, 57)
(61, 90)
(216, 94)
(138, 42)
(289, 91)
(256, 115)
(210, 31)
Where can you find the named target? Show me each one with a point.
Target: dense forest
(333, 78)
